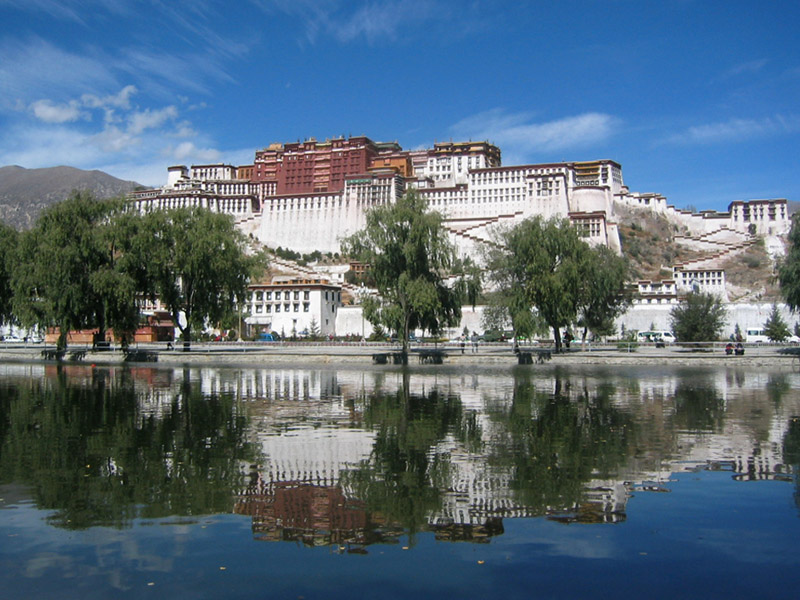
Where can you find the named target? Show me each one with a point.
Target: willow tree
(789, 270)
(606, 294)
(196, 263)
(542, 264)
(411, 260)
(546, 264)
(8, 247)
(67, 273)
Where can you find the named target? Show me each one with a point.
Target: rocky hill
(654, 244)
(24, 193)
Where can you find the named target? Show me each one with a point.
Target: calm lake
(429, 482)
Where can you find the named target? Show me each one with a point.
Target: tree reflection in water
(399, 453)
(557, 443)
(80, 441)
(791, 454)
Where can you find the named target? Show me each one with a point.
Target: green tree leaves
(8, 247)
(410, 257)
(775, 328)
(66, 273)
(196, 264)
(789, 270)
(698, 318)
(87, 260)
(546, 264)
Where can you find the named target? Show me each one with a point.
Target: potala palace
(307, 196)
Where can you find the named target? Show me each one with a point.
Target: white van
(655, 336)
(755, 335)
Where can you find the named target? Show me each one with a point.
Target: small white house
(288, 305)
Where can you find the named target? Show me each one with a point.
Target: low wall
(640, 317)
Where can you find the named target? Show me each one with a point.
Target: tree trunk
(557, 338)
(61, 344)
(404, 352)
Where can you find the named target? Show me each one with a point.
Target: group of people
(474, 339)
(738, 350)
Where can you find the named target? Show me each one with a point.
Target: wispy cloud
(736, 130)
(381, 21)
(349, 20)
(55, 8)
(34, 68)
(521, 138)
(129, 138)
(744, 68)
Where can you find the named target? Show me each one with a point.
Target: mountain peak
(24, 193)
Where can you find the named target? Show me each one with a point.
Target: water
(389, 483)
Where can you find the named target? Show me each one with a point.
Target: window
(306, 306)
(297, 295)
(268, 296)
(296, 307)
(277, 308)
(286, 307)
(269, 308)
(306, 295)
(259, 296)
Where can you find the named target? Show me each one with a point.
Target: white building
(706, 281)
(291, 305)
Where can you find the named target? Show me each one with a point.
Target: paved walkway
(487, 354)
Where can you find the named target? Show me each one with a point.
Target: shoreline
(353, 355)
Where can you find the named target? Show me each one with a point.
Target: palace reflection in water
(352, 458)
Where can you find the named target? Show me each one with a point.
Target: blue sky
(698, 100)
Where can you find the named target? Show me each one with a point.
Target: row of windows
(268, 295)
(287, 307)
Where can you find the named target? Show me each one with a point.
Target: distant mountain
(24, 193)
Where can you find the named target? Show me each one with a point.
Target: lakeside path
(355, 354)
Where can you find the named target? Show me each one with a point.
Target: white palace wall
(306, 228)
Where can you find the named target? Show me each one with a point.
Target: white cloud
(36, 69)
(184, 130)
(521, 138)
(49, 112)
(736, 130)
(120, 100)
(129, 142)
(114, 140)
(150, 119)
(187, 150)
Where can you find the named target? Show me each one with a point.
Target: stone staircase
(715, 259)
(465, 233)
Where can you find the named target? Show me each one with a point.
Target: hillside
(24, 193)
(649, 241)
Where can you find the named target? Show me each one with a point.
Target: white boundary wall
(638, 317)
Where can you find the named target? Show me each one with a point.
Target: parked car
(755, 335)
(658, 336)
(12, 339)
